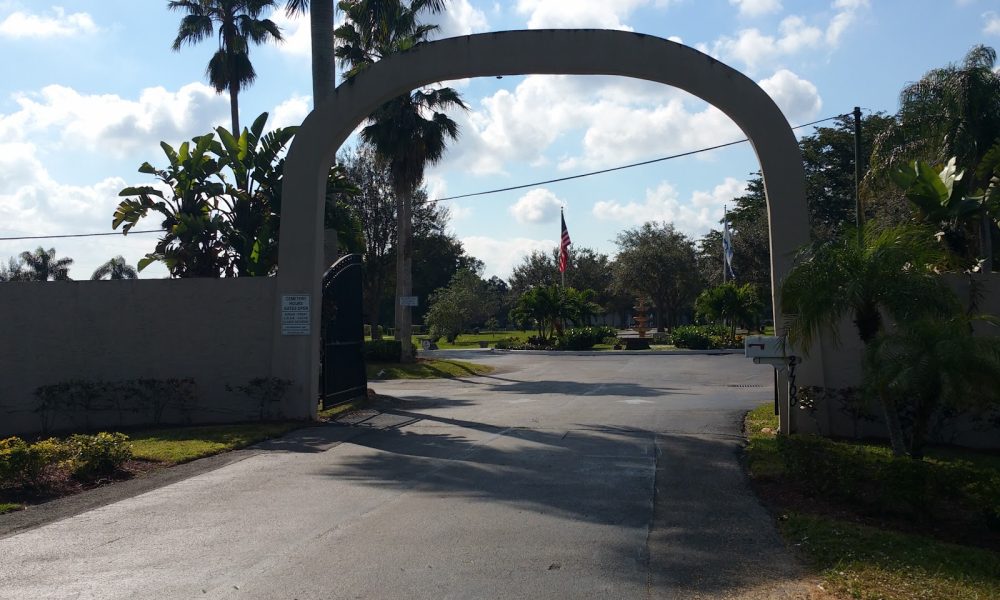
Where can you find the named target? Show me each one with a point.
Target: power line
(628, 166)
(484, 193)
(74, 235)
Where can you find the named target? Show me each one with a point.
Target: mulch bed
(58, 483)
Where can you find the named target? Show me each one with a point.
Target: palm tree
(41, 265)
(952, 111)
(869, 276)
(116, 268)
(399, 130)
(239, 24)
(935, 363)
(321, 24)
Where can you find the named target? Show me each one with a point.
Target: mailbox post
(770, 350)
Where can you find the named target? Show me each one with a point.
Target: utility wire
(495, 191)
(629, 166)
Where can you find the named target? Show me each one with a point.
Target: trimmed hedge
(705, 337)
(584, 338)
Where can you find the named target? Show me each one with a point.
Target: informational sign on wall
(295, 316)
(408, 301)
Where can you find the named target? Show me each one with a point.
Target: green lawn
(182, 444)
(426, 369)
(876, 560)
(6, 507)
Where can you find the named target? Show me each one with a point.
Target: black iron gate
(343, 359)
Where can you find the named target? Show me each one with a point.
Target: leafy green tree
(549, 307)
(535, 269)
(42, 265)
(222, 213)
(730, 303)
(952, 111)
(871, 277)
(658, 262)
(239, 25)
(932, 363)
(466, 301)
(115, 268)
(410, 131)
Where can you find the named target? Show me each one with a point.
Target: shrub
(22, 463)
(100, 454)
(383, 350)
(662, 338)
(583, 338)
(691, 336)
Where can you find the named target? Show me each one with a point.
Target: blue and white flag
(727, 247)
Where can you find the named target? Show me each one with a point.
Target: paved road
(557, 477)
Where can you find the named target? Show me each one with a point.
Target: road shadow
(698, 528)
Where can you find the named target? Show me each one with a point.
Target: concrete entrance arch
(560, 51)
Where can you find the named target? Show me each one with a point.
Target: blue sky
(90, 88)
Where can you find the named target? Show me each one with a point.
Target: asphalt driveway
(557, 477)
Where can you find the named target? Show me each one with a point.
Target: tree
(42, 265)
(222, 215)
(398, 129)
(239, 25)
(13, 270)
(466, 301)
(731, 303)
(115, 268)
(321, 23)
(930, 363)
(550, 306)
(953, 111)
(658, 262)
(872, 276)
(534, 270)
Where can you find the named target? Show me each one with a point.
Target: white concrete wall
(215, 331)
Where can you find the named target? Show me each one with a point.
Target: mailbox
(764, 346)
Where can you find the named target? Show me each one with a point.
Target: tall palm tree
(872, 277)
(399, 130)
(239, 25)
(42, 265)
(953, 111)
(116, 268)
(321, 24)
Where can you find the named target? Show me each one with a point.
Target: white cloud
(459, 18)
(116, 125)
(991, 23)
(798, 98)
(758, 50)
(579, 14)
(33, 203)
(295, 31)
(501, 256)
(694, 217)
(291, 112)
(756, 8)
(537, 206)
(57, 24)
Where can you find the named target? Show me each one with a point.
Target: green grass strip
(426, 369)
(7, 507)
(183, 444)
(869, 563)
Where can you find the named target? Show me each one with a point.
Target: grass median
(425, 368)
(876, 526)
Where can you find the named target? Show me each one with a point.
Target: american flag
(563, 245)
